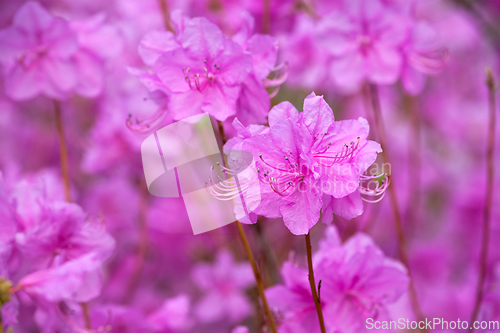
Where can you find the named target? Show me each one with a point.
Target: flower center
(201, 81)
(284, 178)
(343, 156)
(30, 58)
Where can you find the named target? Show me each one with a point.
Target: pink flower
(63, 234)
(357, 282)
(205, 74)
(364, 38)
(422, 55)
(305, 156)
(224, 284)
(240, 329)
(172, 316)
(76, 280)
(199, 70)
(43, 54)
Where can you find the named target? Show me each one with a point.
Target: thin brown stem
(248, 250)
(266, 16)
(490, 175)
(312, 283)
(86, 315)
(63, 150)
(258, 278)
(166, 15)
(396, 212)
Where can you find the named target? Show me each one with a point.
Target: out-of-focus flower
(172, 316)
(364, 39)
(240, 329)
(422, 55)
(224, 284)
(305, 156)
(205, 74)
(63, 234)
(197, 70)
(43, 54)
(76, 280)
(357, 282)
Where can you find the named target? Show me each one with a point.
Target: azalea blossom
(357, 282)
(197, 69)
(306, 156)
(223, 283)
(44, 54)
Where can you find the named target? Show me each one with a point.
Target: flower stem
(490, 169)
(317, 302)
(258, 277)
(266, 16)
(63, 150)
(248, 250)
(166, 15)
(403, 252)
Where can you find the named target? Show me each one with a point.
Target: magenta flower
(172, 316)
(61, 234)
(422, 55)
(205, 74)
(224, 284)
(357, 282)
(43, 54)
(364, 38)
(198, 70)
(76, 280)
(305, 156)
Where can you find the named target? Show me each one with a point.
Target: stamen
(381, 182)
(345, 155)
(271, 166)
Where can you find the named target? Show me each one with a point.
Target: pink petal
(22, 84)
(317, 115)
(234, 64)
(32, 17)
(301, 210)
(349, 71)
(203, 38)
(349, 206)
(220, 101)
(281, 111)
(169, 68)
(90, 74)
(156, 43)
(384, 64)
(264, 50)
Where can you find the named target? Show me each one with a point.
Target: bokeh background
(158, 276)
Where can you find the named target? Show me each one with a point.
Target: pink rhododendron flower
(357, 282)
(43, 54)
(240, 329)
(76, 280)
(205, 74)
(305, 156)
(62, 234)
(172, 316)
(202, 71)
(422, 55)
(364, 39)
(223, 283)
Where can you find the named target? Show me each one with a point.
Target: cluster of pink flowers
(370, 116)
